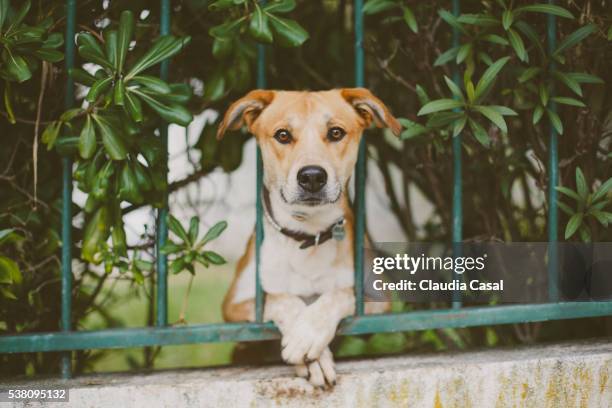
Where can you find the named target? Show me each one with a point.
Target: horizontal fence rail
(224, 332)
(161, 334)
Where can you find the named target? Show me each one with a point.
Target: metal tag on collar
(338, 232)
(316, 240)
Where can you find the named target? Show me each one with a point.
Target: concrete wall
(566, 375)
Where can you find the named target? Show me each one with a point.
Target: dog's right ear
(245, 110)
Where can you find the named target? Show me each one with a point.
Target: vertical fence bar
(259, 233)
(553, 173)
(162, 214)
(66, 321)
(360, 170)
(457, 172)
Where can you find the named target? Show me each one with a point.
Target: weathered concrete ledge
(563, 375)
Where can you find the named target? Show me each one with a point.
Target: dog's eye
(335, 134)
(283, 136)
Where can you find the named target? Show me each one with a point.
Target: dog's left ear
(371, 109)
(245, 109)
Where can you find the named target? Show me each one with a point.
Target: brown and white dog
(309, 143)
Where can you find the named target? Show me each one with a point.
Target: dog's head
(309, 140)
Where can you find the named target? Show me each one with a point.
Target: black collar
(336, 230)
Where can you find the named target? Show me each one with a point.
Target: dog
(309, 143)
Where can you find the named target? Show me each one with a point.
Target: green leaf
(422, 94)
(4, 9)
(89, 54)
(439, 105)
(259, 27)
(171, 248)
(119, 240)
(378, 6)
(214, 232)
(481, 20)
(543, 94)
(95, 234)
(411, 129)
(568, 81)
(87, 139)
(495, 39)
(459, 125)
(603, 217)
(479, 133)
(19, 15)
(128, 185)
(503, 110)
(172, 112)
(410, 19)
(16, 67)
(214, 258)
(568, 192)
(227, 29)
(507, 19)
(153, 83)
(443, 118)
(119, 92)
(165, 47)
(451, 19)
(46, 54)
(126, 31)
(113, 143)
(456, 91)
(177, 266)
(575, 37)
(537, 114)
(446, 56)
(221, 5)
(133, 107)
(572, 225)
(8, 104)
(555, 121)
(9, 271)
(488, 77)
(517, 43)
(546, 8)
(602, 191)
(175, 226)
(565, 208)
(494, 117)
(91, 42)
(142, 176)
(222, 47)
(83, 77)
(584, 78)
(528, 74)
(581, 184)
(568, 101)
(288, 32)
(463, 52)
(471, 93)
(533, 36)
(280, 6)
(111, 47)
(194, 228)
(98, 88)
(50, 134)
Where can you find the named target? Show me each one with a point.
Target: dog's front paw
(320, 372)
(306, 339)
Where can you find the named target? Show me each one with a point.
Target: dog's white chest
(285, 268)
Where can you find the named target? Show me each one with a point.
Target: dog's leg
(283, 310)
(314, 328)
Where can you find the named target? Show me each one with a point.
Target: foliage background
(504, 183)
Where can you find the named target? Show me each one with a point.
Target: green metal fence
(68, 340)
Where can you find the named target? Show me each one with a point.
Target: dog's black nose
(312, 178)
